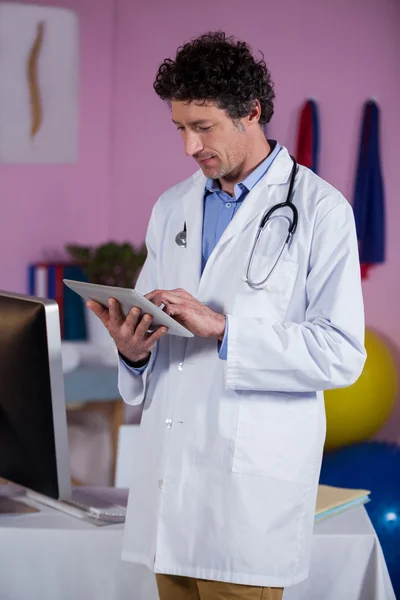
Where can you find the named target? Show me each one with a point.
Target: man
(233, 421)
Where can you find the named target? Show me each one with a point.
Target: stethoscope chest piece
(181, 238)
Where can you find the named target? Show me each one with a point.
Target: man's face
(216, 142)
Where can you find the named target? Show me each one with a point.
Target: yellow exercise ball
(355, 413)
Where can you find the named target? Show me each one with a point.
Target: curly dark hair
(219, 68)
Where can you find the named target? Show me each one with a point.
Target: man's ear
(255, 114)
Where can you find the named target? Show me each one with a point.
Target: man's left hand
(191, 313)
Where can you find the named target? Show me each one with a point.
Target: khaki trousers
(172, 587)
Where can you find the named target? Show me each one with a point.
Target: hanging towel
(369, 202)
(308, 136)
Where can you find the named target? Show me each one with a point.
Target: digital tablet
(128, 299)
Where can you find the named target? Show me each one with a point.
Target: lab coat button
(168, 423)
(160, 483)
(180, 366)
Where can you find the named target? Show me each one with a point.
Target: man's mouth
(204, 161)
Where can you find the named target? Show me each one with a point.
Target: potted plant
(111, 263)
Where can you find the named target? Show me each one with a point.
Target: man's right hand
(130, 334)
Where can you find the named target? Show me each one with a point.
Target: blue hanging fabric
(315, 119)
(369, 201)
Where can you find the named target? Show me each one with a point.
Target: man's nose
(193, 144)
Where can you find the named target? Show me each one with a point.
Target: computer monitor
(33, 427)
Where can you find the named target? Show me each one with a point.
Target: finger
(116, 314)
(157, 300)
(143, 326)
(176, 310)
(157, 296)
(150, 295)
(133, 317)
(154, 297)
(99, 310)
(182, 293)
(157, 334)
(179, 314)
(169, 297)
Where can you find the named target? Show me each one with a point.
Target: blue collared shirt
(219, 210)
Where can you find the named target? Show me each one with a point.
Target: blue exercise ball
(373, 466)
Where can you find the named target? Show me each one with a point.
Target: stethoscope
(181, 237)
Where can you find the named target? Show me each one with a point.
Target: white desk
(52, 556)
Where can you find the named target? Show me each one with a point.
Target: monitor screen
(33, 431)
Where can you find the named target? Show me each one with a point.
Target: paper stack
(333, 500)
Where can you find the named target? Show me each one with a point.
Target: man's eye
(205, 128)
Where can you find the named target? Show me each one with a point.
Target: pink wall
(43, 207)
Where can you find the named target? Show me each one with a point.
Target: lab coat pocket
(276, 438)
(274, 299)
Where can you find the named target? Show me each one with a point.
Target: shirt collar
(212, 185)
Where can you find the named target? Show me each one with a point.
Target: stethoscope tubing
(181, 237)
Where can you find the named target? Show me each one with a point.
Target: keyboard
(97, 506)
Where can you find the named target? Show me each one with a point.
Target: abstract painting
(39, 70)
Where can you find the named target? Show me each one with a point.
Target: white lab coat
(225, 484)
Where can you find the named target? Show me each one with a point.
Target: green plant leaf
(111, 263)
